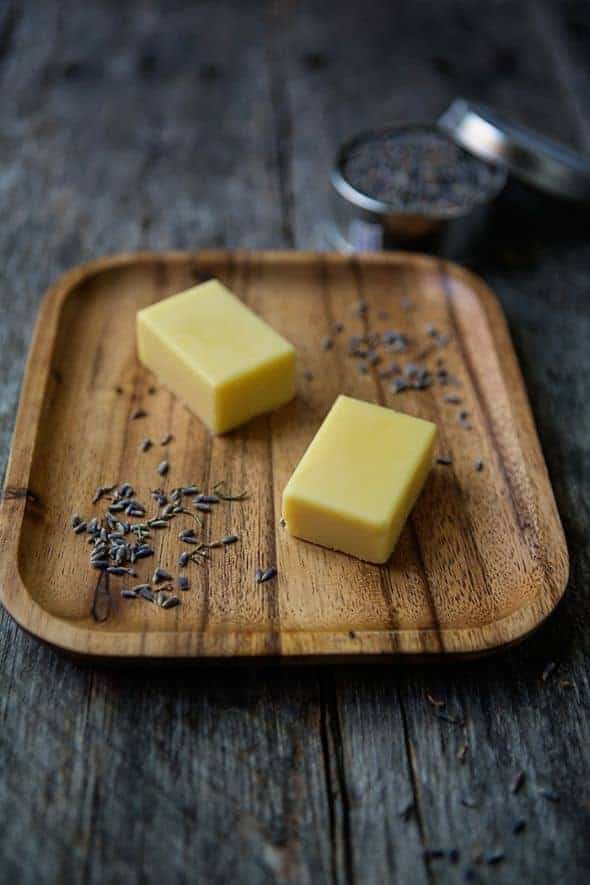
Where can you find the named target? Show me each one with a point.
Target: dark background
(128, 125)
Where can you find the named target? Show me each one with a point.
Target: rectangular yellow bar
(217, 356)
(359, 478)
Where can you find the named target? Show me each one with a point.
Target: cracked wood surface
(177, 125)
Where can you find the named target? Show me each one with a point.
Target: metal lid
(540, 161)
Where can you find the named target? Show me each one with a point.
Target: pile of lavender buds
(418, 171)
(118, 543)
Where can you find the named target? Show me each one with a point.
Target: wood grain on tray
(481, 562)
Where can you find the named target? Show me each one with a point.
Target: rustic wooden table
(158, 125)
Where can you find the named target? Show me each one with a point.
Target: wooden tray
(481, 563)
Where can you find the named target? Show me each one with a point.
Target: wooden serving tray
(480, 564)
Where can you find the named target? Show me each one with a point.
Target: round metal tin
(364, 223)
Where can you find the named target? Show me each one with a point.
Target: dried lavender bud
(163, 468)
(137, 413)
(208, 499)
(186, 533)
(166, 439)
(160, 575)
(390, 370)
(517, 781)
(230, 539)
(117, 506)
(183, 559)
(268, 574)
(493, 857)
(202, 507)
(145, 444)
(183, 583)
(170, 602)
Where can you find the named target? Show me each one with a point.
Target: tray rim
(305, 644)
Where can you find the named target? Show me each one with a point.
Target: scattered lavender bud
(160, 575)
(268, 574)
(208, 499)
(493, 857)
(163, 468)
(170, 602)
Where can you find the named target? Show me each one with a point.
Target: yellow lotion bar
(358, 480)
(217, 356)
